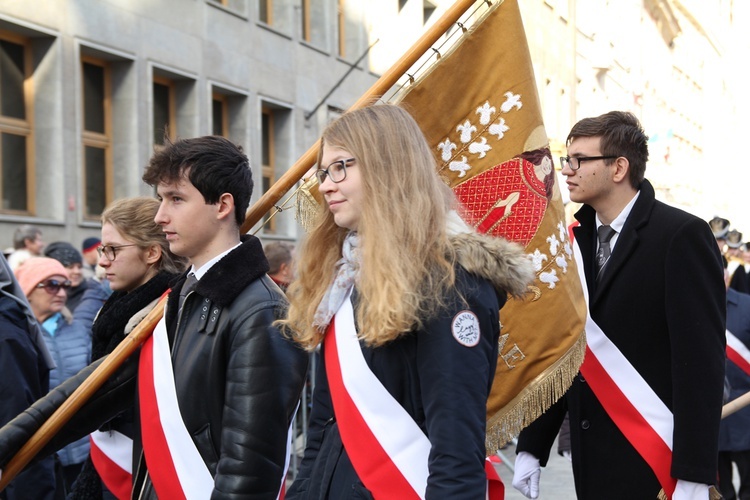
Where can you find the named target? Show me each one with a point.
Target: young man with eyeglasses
(646, 405)
(217, 383)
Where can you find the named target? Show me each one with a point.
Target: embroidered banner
(479, 109)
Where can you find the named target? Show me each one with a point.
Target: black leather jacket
(238, 381)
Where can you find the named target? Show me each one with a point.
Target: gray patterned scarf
(347, 270)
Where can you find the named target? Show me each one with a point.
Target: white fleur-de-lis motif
(480, 147)
(562, 230)
(537, 258)
(466, 129)
(550, 278)
(485, 112)
(554, 243)
(499, 128)
(446, 149)
(459, 166)
(511, 101)
(568, 249)
(562, 263)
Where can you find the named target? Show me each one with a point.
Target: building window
(341, 27)
(265, 11)
(306, 33)
(97, 137)
(268, 161)
(16, 181)
(220, 115)
(313, 29)
(428, 9)
(164, 109)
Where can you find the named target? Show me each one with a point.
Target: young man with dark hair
(218, 384)
(645, 407)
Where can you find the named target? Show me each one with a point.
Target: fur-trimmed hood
(501, 262)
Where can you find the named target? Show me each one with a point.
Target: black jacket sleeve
(115, 396)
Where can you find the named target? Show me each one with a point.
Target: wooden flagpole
(139, 335)
(735, 405)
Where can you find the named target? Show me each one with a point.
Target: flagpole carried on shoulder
(139, 335)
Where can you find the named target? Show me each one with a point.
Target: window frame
(171, 103)
(268, 171)
(97, 139)
(224, 100)
(22, 127)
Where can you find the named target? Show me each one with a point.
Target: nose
(103, 261)
(567, 171)
(160, 217)
(327, 185)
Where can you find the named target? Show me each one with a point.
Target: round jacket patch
(465, 328)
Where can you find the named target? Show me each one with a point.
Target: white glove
(526, 475)
(686, 490)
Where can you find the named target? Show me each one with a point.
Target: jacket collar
(224, 282)
(626, 242)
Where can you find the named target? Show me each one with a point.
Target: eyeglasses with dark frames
(336, 171)
(574, 162)
(52, 286)
(110, 251)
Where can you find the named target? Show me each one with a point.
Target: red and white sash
(629, 401)
(386, 446)
(175, 465)
(738, 353)
(112, 456)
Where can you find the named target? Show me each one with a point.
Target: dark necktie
(604, 233)
(187, 287)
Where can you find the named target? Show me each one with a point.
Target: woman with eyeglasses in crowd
(139, 267)
(404, 299)
(45, 282)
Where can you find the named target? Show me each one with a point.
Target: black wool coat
(662, 302)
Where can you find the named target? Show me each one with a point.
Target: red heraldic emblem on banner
(479, 109)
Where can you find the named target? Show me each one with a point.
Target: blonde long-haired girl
(405, 300)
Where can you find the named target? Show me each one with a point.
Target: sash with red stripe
(175, 465)
(738, 353)
(387, 448)
(630, 402)
(112, 456)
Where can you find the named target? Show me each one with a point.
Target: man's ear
(621, 168)
(226, 206)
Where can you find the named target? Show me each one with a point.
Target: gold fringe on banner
(307, 206)
(713, 494)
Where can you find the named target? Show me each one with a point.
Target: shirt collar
(208, 265)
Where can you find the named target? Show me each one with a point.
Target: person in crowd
(45, 282)
(738, 278)
(139, 266)
(216, 369)
(27, 243)
(652, 276)
(90, 258)
(71, 258)
(280, 255)
(25, 363)
(404, 299)
(734, 432)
